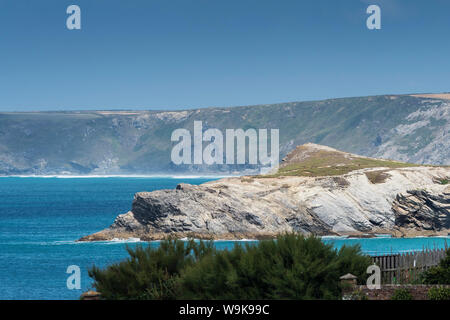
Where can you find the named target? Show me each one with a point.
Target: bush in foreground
(439, 274)
(401, 294)
(149, 273)
(439, 293)
(290, 267)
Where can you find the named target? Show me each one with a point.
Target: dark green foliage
(291, 267)
(149, 273)
(401, 294)
(439, 293)
(351, 260)
(439, 274)
(357, 295)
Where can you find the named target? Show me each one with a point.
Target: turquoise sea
(40, 219)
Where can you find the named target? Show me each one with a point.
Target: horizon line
(417, 95)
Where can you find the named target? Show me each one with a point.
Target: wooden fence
(406, 267)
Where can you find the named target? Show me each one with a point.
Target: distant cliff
(317, 190)
(400, 127)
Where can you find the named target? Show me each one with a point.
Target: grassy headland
(311, 160)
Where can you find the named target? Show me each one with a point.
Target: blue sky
(167, 54)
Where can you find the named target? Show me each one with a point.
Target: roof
(348, 276)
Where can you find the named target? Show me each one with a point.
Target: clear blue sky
(167, 54)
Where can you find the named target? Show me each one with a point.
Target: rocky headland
(316, 190)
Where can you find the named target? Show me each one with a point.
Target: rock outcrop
(406, 201)
(422, 210)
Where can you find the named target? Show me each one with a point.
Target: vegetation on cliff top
(313, 161)
(291, 267)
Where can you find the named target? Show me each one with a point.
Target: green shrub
(401, 294)
(439, 274)
(357, 295)
(444, 181)
(439, 293)
(290, 267)
(351, 260)
(149, 273)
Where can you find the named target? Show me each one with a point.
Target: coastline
(107, 235)
(410, 202)
(156, 176)
(325, 237)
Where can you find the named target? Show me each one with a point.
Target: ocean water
(40, 219)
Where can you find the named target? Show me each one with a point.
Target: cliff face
(401, 127)
(422, 210)
(405, 201)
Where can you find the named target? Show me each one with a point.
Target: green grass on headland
(329, 163)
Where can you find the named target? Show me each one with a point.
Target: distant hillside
(398, 127)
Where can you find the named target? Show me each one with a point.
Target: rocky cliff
(347, 195)
(401, 127)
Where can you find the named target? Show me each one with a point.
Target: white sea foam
(333, 237)
(40, 243)
(383, 235)
(120, 240)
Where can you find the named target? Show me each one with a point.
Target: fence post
(348, 284)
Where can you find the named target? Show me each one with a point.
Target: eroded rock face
(409, 201)
(423, 210)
